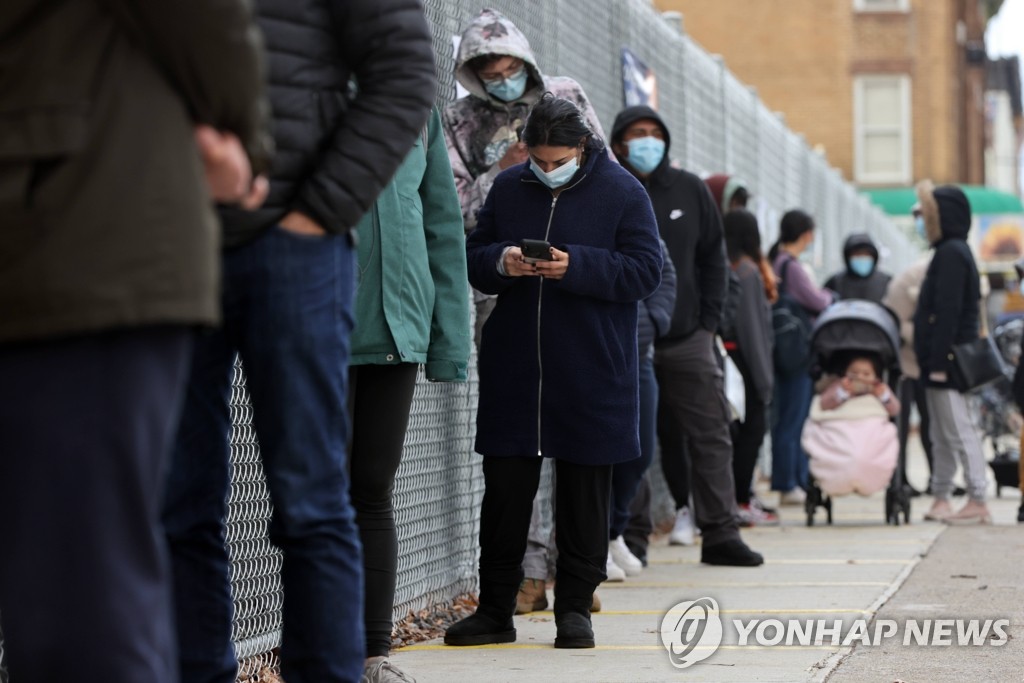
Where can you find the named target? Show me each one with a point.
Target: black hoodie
(691, 227)
(848, 284)
(948, 310)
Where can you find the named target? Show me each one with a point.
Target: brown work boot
(595, 603)
(532, 596)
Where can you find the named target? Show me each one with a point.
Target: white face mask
(558, 176)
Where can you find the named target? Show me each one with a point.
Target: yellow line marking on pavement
(742, 584)
(851, 561)
(648, 648)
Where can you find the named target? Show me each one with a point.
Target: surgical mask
(1022, 287)
(559, 176)
(862, 265)
(645, 153)
(508, 89)
(919, 226)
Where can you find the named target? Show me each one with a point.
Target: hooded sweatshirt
(723, 187)
(848, 284)
(948, 310)
(479, 127)
(691, 227)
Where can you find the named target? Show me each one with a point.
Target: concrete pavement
(852, 570)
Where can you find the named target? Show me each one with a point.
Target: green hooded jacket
(412, 303)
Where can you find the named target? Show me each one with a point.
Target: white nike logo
(676, 213)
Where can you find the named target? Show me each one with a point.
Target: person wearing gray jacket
(750, 347)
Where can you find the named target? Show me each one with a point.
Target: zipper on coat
(540, 363)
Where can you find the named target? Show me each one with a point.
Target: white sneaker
(682, 532)
(626, 560)
(795, 496)
(615, 572)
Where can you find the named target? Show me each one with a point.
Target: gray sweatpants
(954, 437)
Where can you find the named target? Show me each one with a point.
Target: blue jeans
(790, 407)
(626, 476)
(287, 303)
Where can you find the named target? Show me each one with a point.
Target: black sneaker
(479, 629)
(734, 553)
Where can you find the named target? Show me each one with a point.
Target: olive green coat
(105, 220)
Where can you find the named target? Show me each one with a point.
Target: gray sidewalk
(849, 571)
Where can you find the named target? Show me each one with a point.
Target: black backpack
(792, 328)
(730, 308)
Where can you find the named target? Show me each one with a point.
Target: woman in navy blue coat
(558, 361)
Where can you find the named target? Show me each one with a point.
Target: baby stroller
(860, 327)
(999, 418)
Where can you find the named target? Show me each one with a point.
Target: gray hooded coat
(480, 128)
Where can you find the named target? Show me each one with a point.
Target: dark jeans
(693, 396)
(380, 397)
(85, 430)
(676, 469)
(912, 392)
(582, 493)
(287, 302)
(626, 476)
(749, 435)
(790, 407)
(638, 529)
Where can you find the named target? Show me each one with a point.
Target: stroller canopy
(860, 326)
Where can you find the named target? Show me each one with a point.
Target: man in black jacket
(108, 262)
(689, 376)
(861, 279)
(287, 301)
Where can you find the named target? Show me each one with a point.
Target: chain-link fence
(718, 125)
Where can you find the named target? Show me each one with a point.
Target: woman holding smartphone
(558, 362)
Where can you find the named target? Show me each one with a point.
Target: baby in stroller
(850, 437)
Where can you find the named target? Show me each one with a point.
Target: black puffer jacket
(334, 153)
(848, 284)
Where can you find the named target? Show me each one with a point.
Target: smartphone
(535, 250)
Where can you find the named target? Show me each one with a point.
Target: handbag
(976, 364)
(792, 330)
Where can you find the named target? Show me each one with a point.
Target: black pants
(675, 455)
(582, 495)
(749, 436)
(640, 526)
(692, 391)
(380, 397)
(912, 392)
(85, 431)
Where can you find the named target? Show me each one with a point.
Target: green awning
(897, 201)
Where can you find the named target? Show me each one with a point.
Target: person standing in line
(122, 121)
(692, 395)
(901, 298)
(728, 191)
(948, 313)
(861, 279)
(751, 350)
(289, 277)
(793, 392)
(558, 362)
(496, 65)
(655, 320)
(412, 308)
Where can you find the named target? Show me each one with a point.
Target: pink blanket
(853, 448)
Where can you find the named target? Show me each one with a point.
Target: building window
(881, 5)
(881, 120)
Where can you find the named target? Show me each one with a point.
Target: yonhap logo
(691, 631)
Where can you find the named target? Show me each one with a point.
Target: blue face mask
(919, 226)
(645, 153)
(862, 265)
(559, 176)
(508, 89)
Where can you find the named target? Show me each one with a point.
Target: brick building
(891, 90)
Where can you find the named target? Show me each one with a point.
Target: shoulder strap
(782, 274)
